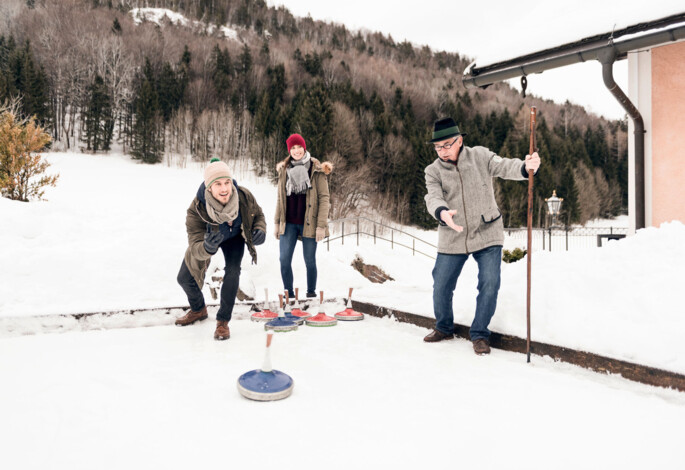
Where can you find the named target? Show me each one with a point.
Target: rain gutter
(604, 50)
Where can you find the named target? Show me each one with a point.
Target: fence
(349, 230)
(357, 226)
(564, 238)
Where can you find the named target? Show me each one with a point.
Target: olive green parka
(196, 257)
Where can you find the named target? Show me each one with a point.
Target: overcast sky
(493, 30)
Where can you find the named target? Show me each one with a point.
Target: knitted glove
(213, 240)
(320, 234)
(258, 237)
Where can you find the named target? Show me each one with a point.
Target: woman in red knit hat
(302, 209)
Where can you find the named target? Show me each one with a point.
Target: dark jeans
(445, 274)
(287, 247)
(233, 250)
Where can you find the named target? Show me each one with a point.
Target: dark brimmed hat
(444, 129)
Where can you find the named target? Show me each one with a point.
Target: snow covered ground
(112, 236)
(368, 394)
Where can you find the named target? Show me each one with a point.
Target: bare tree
(351, 186)
(9, 10)
(345, 137)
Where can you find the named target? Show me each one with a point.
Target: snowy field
(367, 394)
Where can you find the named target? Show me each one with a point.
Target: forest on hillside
(236, 77)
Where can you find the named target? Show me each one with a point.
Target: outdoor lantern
(554, 205)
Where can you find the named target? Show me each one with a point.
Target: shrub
(19, 163)
(513, 255)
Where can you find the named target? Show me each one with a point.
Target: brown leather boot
(222, 332)
(481, 346)
(436, 335)
(191, 317)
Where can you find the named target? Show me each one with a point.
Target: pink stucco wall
(668, 133)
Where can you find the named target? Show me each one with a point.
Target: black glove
(258, 237)
(213, 240)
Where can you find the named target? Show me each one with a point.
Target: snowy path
(367, 394)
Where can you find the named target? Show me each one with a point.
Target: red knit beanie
(295, 139)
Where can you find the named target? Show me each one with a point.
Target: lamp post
(553, 208)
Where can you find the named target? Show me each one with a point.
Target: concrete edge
(628, 370)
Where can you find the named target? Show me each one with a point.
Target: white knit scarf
(297, 181)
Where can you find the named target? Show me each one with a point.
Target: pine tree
(27, 79)
(424, 156)
(222, 73)
(35, 93)
(245, 61)
(169, 91)
(502, 126)
(146, 143)
(315, 120)
(184, 70)
(244, 96)
(116, 26)
(596, 145)
(569, 192)
(268, 117)
(98, 117)
(7, 82)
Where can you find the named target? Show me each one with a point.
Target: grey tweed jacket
(467, 187)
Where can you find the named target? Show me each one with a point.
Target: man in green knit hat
(222, 216)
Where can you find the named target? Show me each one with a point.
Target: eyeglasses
(446, 146)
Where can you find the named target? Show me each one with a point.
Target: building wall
(640, 94)
(668, 134)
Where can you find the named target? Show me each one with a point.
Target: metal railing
(378, 231)
(565, 238)
(557, 238)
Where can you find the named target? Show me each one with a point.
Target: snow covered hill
(112, 236)
(159, 15)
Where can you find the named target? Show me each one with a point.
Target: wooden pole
(533, 111)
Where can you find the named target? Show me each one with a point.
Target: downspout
(607, 57)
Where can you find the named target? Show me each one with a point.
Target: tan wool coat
(317, 199)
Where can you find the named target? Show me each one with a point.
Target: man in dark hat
(461, 197)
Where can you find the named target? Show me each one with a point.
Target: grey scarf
(297, 181)
(220, 213)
